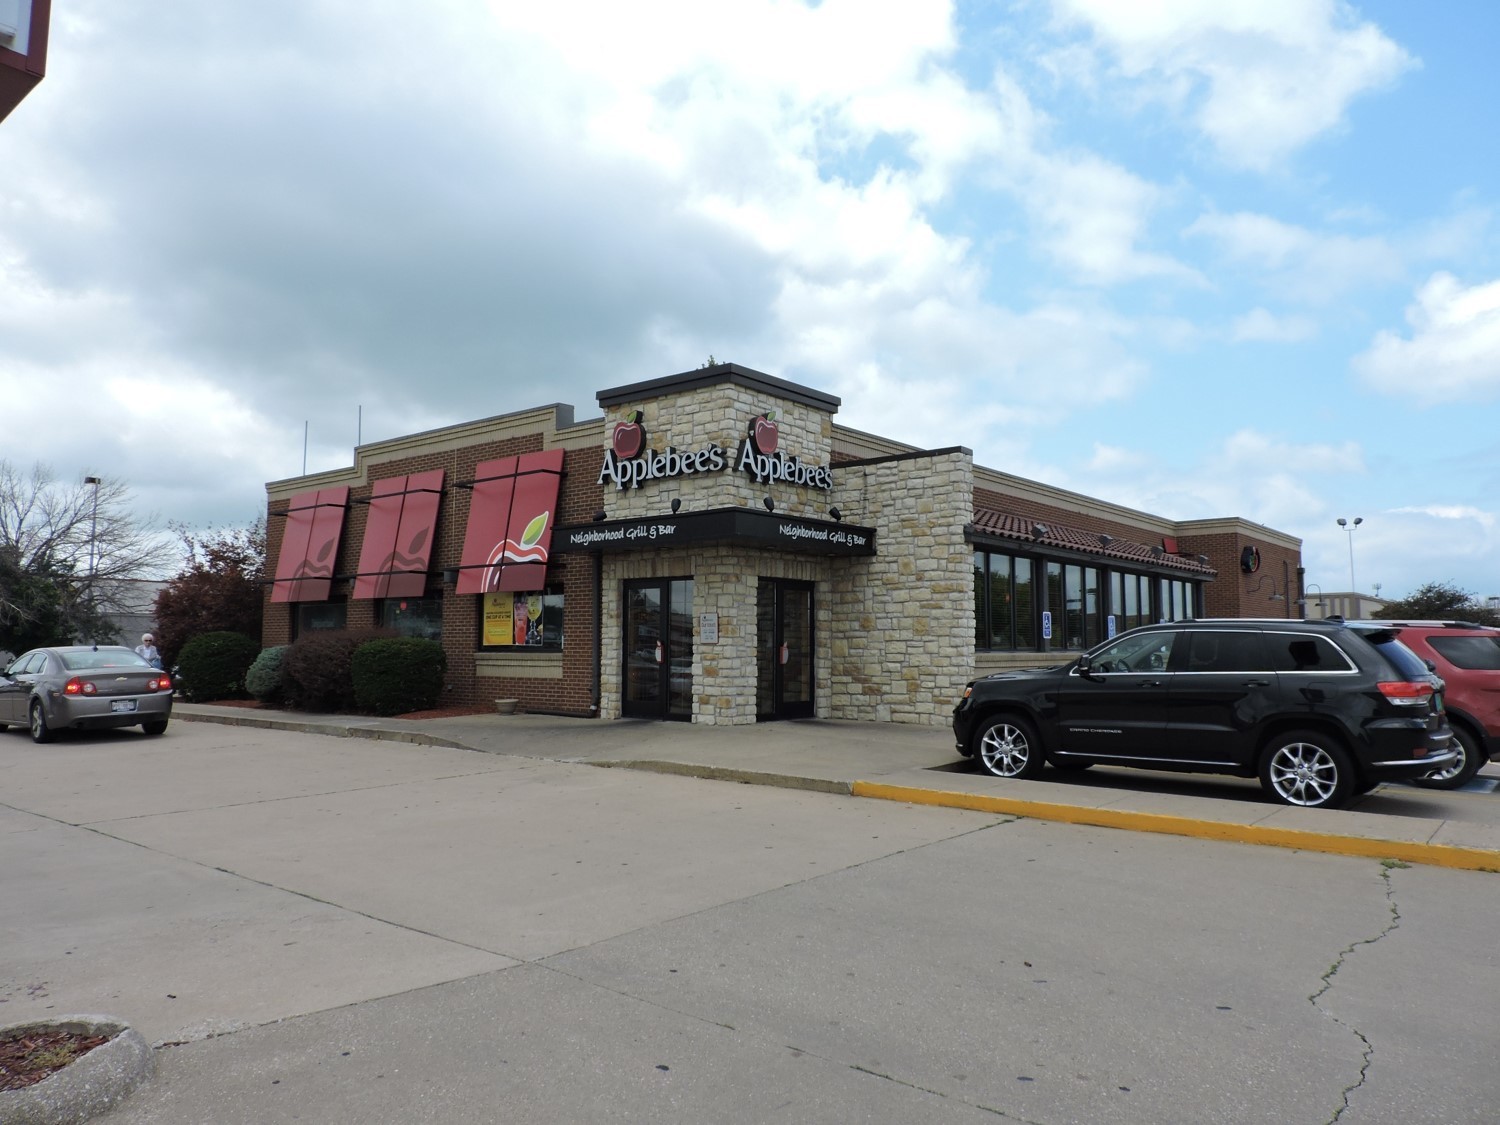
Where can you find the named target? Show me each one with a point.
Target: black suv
(1317, 710)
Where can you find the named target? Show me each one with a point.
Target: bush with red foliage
(317, 670)
(218, 590)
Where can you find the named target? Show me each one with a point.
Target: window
(1144, 652)
(1177, 599)
(1226, 652)
(312, 616)
(1130, 600)
(413, 617)
(532, 620)
(1003, 605)
(1469, 652)
(1303, 652)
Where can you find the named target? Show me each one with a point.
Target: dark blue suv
(1318, 711)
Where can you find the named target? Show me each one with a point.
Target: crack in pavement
(1386, 866)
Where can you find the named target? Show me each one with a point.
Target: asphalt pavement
(918, 765)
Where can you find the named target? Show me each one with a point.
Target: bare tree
(72, 540)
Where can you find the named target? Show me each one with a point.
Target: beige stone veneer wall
(903, 621)
(688, 421)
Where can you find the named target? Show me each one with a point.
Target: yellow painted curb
(1433, 855)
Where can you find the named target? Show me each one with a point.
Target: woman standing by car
(146, 650)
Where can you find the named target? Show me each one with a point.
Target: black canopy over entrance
(721, 525)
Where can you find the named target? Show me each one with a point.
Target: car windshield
(102, 658)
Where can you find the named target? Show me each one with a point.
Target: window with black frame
(1004, 604)
(310, 617)
(413, 617)
(529, 621)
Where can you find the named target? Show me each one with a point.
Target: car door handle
(1152, 683)
(1257, 683)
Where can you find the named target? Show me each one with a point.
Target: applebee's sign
(760, 458)
(629, 464)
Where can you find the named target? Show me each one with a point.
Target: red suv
(1467, 657)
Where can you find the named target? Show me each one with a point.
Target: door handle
(1258, 683)
(1152, 683)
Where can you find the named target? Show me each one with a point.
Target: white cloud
(1296, 262)
(1263, 326)
(1259, 78)
(1453, 353)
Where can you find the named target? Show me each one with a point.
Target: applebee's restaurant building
(716, 549)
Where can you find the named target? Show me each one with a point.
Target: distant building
(23, 49)
(129, 604)
(1350, 606)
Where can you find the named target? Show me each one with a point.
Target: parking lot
(345, 929)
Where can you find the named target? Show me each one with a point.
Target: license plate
(122, 705)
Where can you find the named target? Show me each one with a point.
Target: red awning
(394, 557)
(509, 537)
(309, 545)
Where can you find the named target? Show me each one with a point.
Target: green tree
(1439, 601)
(61, 548)
(218, 589)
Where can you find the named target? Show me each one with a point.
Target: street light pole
(93, 538)
(1349, 528)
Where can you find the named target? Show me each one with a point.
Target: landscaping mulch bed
(27, 1059)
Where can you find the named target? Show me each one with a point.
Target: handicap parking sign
(1046, 624)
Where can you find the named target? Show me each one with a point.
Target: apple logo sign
(764, 434)
(629, 436)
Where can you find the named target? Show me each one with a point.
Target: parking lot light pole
(93, 538)
(1349, 528)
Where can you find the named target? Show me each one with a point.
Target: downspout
(598, 628)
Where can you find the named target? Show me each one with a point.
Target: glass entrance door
(658, 649)
(784, 666)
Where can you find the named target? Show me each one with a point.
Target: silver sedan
(84, 687)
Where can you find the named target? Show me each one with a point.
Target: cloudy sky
(1199, 257)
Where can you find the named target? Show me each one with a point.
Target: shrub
(213, 666)
(317, 669)
(263, 680)
(398, 674)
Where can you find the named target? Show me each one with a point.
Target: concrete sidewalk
(919, 765)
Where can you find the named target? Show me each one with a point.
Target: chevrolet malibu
(84, 687)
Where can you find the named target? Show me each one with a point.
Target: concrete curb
(744, 777)
(82, 1089)
(378, 734)
(1433, 855)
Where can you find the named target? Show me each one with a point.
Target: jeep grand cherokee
(1318, 711)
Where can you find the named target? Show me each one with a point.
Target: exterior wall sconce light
(1106, 540)
(676, 504)
(1157, 552)
(1040, 529)
(1274, 595)
(837, 515)
(599, 516)
(769, 503)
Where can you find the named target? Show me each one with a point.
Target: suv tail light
(1404, 693)
(75, 686)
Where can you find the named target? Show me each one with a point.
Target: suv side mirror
(1431, 665)
(1085, 665)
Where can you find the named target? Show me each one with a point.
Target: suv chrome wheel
(1307, 770)
(1463, 768)
(1009, 748)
